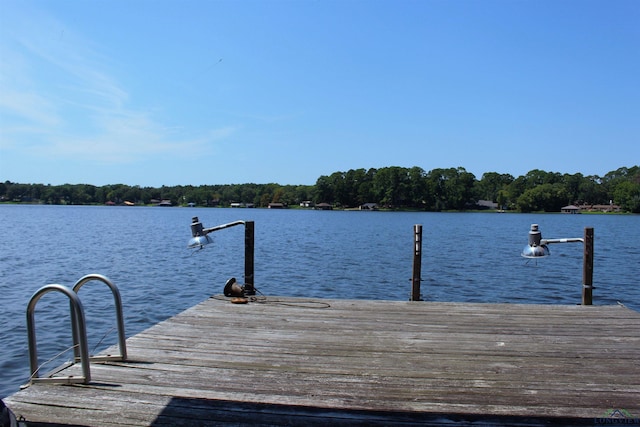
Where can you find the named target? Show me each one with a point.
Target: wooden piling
(417, 263)
(587, 267)
(248, 257)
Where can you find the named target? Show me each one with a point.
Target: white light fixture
(537, 248)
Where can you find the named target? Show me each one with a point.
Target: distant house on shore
(597, 208)
(369, 207)
(486, 204)
(571, 209)
(165, 203)
(601, 208)
(276, 206)
(324, 206)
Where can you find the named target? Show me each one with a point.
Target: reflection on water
(467, 257)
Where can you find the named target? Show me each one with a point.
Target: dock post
(417, 263)
(587, 267)
(248, 257)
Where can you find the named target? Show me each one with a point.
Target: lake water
(467, 257)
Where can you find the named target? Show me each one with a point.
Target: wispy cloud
(127, 136)
(23, 108)
(61, 98)
(30, 106)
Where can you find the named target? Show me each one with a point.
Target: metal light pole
(537, 248)
(200, 237)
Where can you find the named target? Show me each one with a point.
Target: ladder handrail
(122, 340)
(78, 326)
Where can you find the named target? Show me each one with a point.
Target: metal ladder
(79, 331)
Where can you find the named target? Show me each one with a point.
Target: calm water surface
(467, 257)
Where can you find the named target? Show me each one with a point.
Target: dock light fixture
(200, 237)
(537, 248)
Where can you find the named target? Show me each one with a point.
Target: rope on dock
(263, 299)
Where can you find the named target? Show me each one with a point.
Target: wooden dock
(292, 361)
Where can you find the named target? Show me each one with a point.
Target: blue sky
(158, 92)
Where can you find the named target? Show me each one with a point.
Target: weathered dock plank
(298, 361)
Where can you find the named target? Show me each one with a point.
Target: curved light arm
(200, 234)
(571, 240)
(222, 226)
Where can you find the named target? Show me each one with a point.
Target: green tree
(3, 189)
(352, 181)
(365, 188)
(591, 191)
(303, 193)
(491, 184)
(627, 196)
(392, 186)
(502, 199)
(452, 188)
(544, 197)
(18, 192)
(340, 192)
(323, 192)
(417, 187)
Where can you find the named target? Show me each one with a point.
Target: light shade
(199, 241)
(535, 251)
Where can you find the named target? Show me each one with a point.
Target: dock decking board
(305, 361)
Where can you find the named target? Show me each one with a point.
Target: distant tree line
(391, 187)
(457, 189)
(260, 195)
